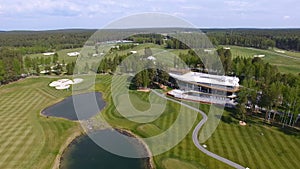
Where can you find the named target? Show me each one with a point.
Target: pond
(83, 153)
(87, 105)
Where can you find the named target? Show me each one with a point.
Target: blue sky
(61, 14)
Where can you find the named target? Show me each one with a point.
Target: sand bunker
(65, 83)
(242, 123)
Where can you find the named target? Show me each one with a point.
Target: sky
(96, 14)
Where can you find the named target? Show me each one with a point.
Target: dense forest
(28, 42)
(288, 39)
(265, 87)
(11, 65)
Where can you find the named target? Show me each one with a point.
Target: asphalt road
(196, 131)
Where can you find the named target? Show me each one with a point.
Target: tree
(70, 68)
(86, 68)
(145, 77)
(17, 67)
(138, 80)
(148, 52)
(55, 58)
(2, 71)
(241, 106)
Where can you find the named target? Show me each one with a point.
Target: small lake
(86, 105)
(83, 153)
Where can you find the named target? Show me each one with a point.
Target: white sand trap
(62, 87)
(54, 84)
(242, 123)
(205, 146)
(77, 80)
(64, 83)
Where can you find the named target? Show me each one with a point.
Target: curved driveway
(196, 131)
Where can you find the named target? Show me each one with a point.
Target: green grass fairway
(289, 53)
(148, 130)
(175, 163)
(247, 145)
(242, 144)
(284, 64)
(27, 139)
(62, 55)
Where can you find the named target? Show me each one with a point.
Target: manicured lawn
(242, 144)
(62, 55)
(284, 64)
(255, 145)
(289, 53)
(170, 163)
(27, 139)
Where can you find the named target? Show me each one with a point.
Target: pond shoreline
(65, 108)
(64, 147)
(150, 163)
(72, 139)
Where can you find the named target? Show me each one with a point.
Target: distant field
(284, 63)
(62, 55)
(29, 141)
(289, 53)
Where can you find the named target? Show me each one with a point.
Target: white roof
(207, 79)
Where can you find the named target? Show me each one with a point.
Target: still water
(83, 153)
(90, 105)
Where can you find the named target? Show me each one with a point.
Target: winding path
(196, 131)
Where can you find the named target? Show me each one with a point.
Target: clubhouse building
(206, 88)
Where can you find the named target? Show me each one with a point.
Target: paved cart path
(196, 131)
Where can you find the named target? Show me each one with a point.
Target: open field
(289, 53)
(27, 139)
(242, 144)
(62, 55)
(284, 63)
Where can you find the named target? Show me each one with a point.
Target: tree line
(11, 65)
(28, 42)
(287, 39)
(264, 89)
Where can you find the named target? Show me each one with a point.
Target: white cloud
(238, 5)
(286, 17)
(192, 7)
(223, 13)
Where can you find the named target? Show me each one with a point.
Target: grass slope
(27, 139)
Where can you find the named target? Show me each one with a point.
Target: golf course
(30, 140)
